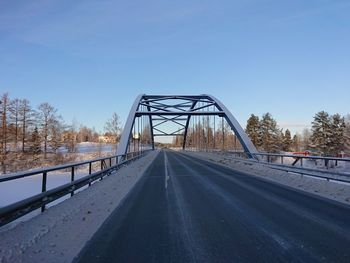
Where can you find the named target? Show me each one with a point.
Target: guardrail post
(110, 162)
(72, 179)
(43, 188)
(301, 162)
(90, 169)
(281, 159)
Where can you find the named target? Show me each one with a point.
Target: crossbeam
(178, 110)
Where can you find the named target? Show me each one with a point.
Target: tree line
(329, 135)
(29, 134)
(205, 134)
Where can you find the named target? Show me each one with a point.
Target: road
(188, 210)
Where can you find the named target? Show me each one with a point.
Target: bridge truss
(153, 116)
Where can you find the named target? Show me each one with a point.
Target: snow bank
(58, 234)
(335, 191)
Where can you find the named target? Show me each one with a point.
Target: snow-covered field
(329, 189)
(90, 147)
(16, 190)
(48, 236)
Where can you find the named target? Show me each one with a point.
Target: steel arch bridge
(158, 110)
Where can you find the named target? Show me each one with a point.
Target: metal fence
(107, 166)
(299, 159)
(326, 168)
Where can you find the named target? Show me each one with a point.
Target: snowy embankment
(329, 189)
(58, 234)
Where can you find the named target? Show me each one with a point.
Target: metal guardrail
(328, 174)
(300, 158)
(16, 210)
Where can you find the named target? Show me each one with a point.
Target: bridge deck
(188, 210)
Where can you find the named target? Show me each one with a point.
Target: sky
(92, 58)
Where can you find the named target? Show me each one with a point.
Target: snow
(336, 191)
(342, 166)
(48, 237)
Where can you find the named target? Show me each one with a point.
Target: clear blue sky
(91, 58)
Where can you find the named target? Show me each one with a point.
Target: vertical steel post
(43, 188)
(72, 179)
(90, 169)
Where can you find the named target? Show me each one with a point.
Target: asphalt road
(188, 210)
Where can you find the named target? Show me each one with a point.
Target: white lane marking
(166, 175)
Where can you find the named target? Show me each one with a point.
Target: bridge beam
(182, 108)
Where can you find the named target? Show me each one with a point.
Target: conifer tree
(347, 134)
(253, 130)
(287, 141)
(337, 140)
(296, 143)
(328, 133)
(270, 134)
(35, 146)
(321, 132)
(306, 141)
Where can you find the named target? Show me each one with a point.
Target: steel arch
(179, 109)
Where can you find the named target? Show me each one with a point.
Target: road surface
(188, 210)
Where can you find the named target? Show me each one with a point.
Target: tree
(56, 130)
(296, 143)
(112, 127)
(305, 139)
(47, 119)
(26, 114)
(287, 141)
(321, 132)
(85, 134)
(253, 130)
(337, 140)
(70, 137)
(270, 134)
(347, 134)
(4, 108)
(14, 119)
(328, 133)
(35, 146)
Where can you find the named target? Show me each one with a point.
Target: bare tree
(47, 118)
(26, 114)
(4, 103)
(55, 131)
(15, 121)
(112, 127)
(70, 137)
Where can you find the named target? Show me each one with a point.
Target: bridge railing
(293, 159)
(329, 168)
(298, 158)
(107, 165)
(317, 166)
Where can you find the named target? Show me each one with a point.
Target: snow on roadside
(332, 190)
(58, 234)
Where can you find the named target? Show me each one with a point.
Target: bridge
(214, 198)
